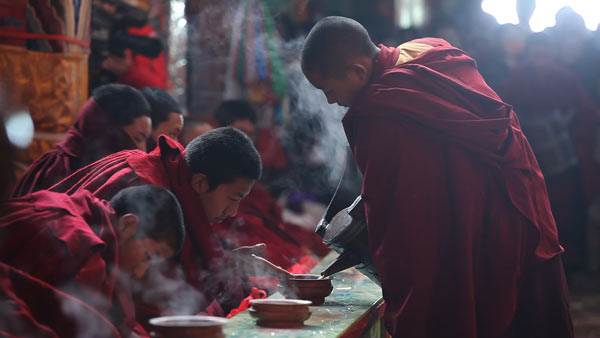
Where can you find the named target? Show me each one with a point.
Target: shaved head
(331, 43)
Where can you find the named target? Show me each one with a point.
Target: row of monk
(96, 226)
(459, 222)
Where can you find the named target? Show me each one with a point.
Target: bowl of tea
(306, 286)
(187, 326)
(280, 313)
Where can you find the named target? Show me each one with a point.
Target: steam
(310, 103)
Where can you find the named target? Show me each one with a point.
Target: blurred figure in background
(167, 117)
(237, 114)
(561, 123)
(193, 127)
(115, 118)
(125, 47)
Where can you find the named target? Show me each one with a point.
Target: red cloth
(254, 294)
(70, 243)
(261, 204)
(145, 71)
(259, 221)
(455, 202)
(270, 149)
(165, 166)
(34, 308)
(94, 135)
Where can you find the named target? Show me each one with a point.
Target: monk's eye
(148, 257)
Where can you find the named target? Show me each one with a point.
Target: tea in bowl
(306, 286)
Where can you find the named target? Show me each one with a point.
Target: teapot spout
(344, 261)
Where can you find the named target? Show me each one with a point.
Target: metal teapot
(345, 230)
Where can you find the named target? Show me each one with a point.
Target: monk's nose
(232, 210)
(330, 100)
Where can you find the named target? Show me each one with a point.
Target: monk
(259, 218)
(460, 227)
(209, 177)
(115, 118)
(167, 117)
(237, 114)
(193, 127)
(89, 248)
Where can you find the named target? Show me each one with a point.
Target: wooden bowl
(187, 326)
(280, 313)
(308, 287)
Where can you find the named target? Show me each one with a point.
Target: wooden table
(354, 309)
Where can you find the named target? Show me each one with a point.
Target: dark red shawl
(165, 166)
(68, 242)
(456, 206)
(34, 308)
(94, 135)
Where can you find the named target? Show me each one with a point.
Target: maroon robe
(94, 135)
(459, 222)
(34, 308)
(68, 242)
(201, 256)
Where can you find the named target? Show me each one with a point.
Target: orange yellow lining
(410, 50)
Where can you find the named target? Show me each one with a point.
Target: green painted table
(354, 309)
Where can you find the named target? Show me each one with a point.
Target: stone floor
(585, 305)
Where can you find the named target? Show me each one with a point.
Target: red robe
(34, 308)
(459, 222)
(94, 135)
(201, 256)
(68, 242)
(145, 71)
(259, 221)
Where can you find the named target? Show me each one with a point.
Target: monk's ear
(200, 183)
(128, 226)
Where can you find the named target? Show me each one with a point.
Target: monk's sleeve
(406, 207)
(57, 253)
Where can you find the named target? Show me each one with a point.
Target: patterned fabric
(548, 135)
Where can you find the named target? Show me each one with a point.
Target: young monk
(193, 127)
(259, 218)
(167, 117)
(115, 118)
(89, 248)
(237, 114)
(460, 227)
(209, 178)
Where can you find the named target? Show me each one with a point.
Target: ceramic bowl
(187, 326)
(306, 286)
(280, 313)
